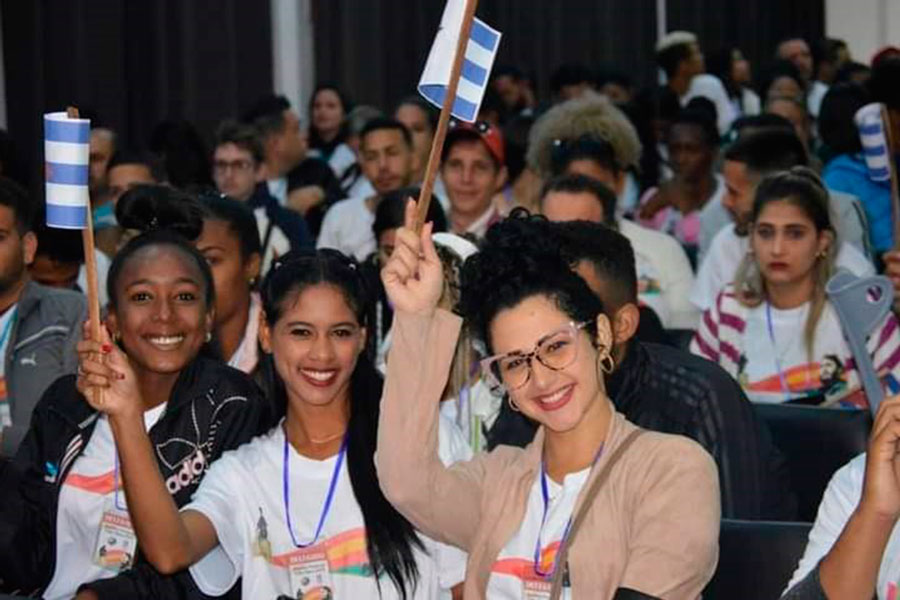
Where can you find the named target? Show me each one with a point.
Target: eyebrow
(313, 326)
(210, 248)
(151, 282)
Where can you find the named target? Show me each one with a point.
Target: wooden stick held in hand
(434, 157)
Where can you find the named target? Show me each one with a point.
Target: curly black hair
(522, 257)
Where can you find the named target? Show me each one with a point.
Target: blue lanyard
(545, 496)
(781, 376)
(8, 326)
(286, 477)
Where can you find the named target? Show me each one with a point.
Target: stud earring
(208, 337)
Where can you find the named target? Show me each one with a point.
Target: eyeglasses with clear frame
(556, 351)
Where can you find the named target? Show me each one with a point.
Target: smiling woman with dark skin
(190, 407)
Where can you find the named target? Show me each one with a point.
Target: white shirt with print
(242, 495)
(88, 490)
(514, 569)
(838, 504)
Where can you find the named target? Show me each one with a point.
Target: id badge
(536, 589)
(116, 541)
(310, 576)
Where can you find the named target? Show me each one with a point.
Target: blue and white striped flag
(874, 142)
(67, 159)
(480, 53)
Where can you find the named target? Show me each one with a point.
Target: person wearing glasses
(594, 505)
(473, 169)
(298, 512)
(238, 173)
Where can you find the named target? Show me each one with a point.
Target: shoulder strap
(563, 556)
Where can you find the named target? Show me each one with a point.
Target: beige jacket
(653, 526)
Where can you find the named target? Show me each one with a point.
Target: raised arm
(442, 502)
(169, 540)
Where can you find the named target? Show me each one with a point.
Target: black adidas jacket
(213, 408)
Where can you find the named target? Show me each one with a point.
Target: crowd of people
(546, 392)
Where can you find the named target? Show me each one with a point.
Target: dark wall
(131, 63)
(376, 49)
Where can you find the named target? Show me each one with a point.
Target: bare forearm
(850, 570)
(164, 539)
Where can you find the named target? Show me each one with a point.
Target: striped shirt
(763, 348)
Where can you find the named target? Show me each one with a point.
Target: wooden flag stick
(892, 169)
(434, 157)
(90, 261)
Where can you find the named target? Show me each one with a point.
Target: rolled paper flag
(67, 165)
(481, 50)
(874, 142)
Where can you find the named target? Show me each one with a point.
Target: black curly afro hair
(522, 257)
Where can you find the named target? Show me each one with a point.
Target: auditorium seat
(815, 442)
(756, 559)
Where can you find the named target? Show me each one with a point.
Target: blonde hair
(801, 187)
(591, 114)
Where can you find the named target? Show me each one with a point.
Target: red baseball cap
(489, 135)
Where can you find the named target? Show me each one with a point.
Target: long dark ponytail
(390, 538)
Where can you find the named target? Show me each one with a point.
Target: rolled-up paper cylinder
(874, 142)
(67, 166)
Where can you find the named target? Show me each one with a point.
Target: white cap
(460, 245)
(675, 38)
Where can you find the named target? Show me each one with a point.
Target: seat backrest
(815, 442)
(756, 559)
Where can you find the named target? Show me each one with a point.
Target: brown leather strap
(563, 552)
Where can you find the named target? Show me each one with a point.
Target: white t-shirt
(347, 227)
(7, 321)
(278, 243)
(710, 87)
(664, 275)
(242, 496)
(779, 362)
(474, 411)
(838, 504)
(513, 573)
(726, 251)
(87, 491)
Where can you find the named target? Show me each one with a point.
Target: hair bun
(151, 207)
(808, 174)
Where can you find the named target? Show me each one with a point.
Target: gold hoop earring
(208, 337)
(512, 403)
(607, 364)
(117, 337)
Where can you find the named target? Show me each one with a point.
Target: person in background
(592, 137)
(303, 183)
(830, 55)
(181, 151)
(571, 80)
(678, 55)
(854, 72)
(102, 147)
(238, 173)
(674, 207)
(59, 261)
(795, 112)
(754, 155)
(127, 168)
(328, 128)
(782, 78)
(229, 241)
(353, 182)
(733, 69)
(615, 85)
(796, 51)
(773, 329)
(854, 545)
(514, 91)
(473, 167)
(39, 326)
(388, 161)
(420, 118)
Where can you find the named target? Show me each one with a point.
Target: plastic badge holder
(861, 305)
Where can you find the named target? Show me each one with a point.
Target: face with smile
(558, 399)
(160, 311)
(315, 344)
(786, 244)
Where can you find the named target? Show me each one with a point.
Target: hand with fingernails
(413, 277)
(103, 366)
(881, 487)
